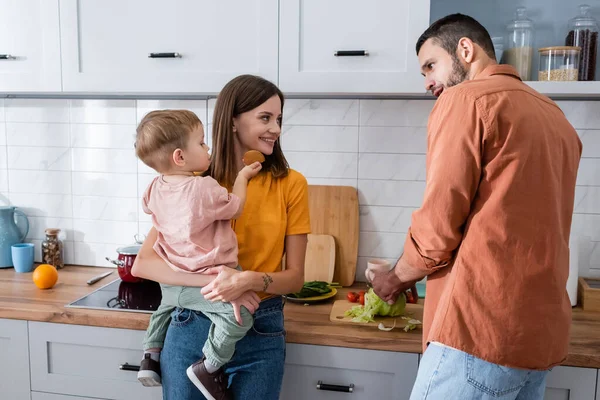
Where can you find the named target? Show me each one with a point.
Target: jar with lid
(559, 63)
(518, 50)
(52, 249)
(583, 33)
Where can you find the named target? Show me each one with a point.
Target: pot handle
(22, 215)
(118, 263)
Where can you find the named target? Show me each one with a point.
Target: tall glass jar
(52, 249)
(518, 51)
(583, 33)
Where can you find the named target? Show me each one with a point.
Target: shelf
(576, 90)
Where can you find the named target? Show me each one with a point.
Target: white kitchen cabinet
(86, 361)
(569, 383)
(371, 374)
(198, 45)
(29, 46)
(14, 360)
(312, 31)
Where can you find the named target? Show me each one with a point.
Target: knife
(97, 278)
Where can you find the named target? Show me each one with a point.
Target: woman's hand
(248, 299)
(227, 286)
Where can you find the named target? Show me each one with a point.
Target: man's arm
(456, 134)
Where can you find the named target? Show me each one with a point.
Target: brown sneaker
(213, 386)
(149, 373)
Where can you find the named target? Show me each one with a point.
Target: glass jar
(518, 50)
(583, 33)
(52, 249)
(559, 63)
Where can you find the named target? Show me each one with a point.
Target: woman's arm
(149, 265)
(230, 283)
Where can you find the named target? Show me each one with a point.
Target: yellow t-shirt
(274, 209)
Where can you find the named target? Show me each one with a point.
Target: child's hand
(250, 171)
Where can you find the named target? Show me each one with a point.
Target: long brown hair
(241, 94)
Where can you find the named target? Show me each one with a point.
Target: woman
(275, 219)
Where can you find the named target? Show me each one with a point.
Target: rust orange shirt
(493, 230)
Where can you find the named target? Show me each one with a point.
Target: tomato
(409, 297)
(361, 298)
(362, 292)
(352, 297)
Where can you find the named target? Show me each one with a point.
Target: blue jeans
(446, 373)
(256, 369)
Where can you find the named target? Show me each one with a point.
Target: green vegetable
(375, 306)
(311, 289)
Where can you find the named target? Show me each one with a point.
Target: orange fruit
(45, 276)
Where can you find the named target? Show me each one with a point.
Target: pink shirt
(192, 218)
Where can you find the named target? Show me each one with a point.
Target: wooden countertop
(21, 299)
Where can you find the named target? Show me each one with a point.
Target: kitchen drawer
(375, 374)
(84, 361)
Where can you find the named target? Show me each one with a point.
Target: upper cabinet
(29, 46)
(351, 46)
(157, 46)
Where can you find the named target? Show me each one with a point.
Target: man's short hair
(447, 31)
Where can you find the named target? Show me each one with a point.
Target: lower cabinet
(324, 372)
(87, 361)
(569, 383)
(14, 360)
(46, 361)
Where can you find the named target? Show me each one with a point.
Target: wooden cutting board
(334, 211)
(414, 311)
(319, 264)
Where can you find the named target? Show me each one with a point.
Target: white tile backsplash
(105, 208)
(39, 158)
(103, 136)
(96, 231)
(320, 112)
(199, 107)
(395, 167)
(3, 157)
(103, 112)
(42, 182)
(44, 205)
(325, 138)
(377, 146)
(36, 110)
(324, 165)
(395, 139)
(395, 112)
(104, 160)
(2, 133)
(104, 184)
(39, 134)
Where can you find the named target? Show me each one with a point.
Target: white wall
(70, 164)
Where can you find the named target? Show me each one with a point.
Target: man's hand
(388, 286)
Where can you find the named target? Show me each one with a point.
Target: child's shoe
(213, 386)
(149, 373)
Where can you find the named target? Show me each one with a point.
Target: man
(493, 231)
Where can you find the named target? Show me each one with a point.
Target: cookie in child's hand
(252, 156)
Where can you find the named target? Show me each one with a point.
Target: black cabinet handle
(129, 367)
(164, 55)
(351, 53)
(335, 388)
(7, 57)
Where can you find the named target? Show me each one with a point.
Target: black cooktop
(142, 296)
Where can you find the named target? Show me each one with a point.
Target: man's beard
(459, 73)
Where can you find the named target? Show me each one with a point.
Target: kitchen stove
(118, 295)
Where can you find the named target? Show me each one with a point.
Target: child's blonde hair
(160, 133)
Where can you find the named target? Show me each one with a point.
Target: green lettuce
(375, 306)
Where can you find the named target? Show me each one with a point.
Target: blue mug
(22, 256)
